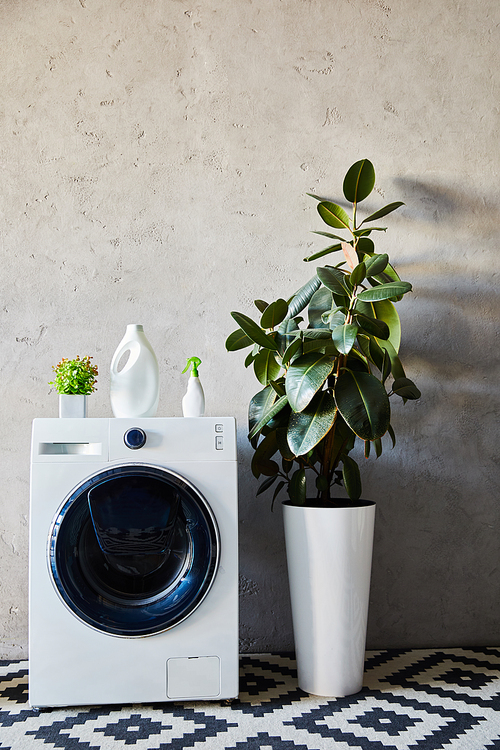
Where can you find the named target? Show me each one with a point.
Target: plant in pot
(327, 360)
(74, 380)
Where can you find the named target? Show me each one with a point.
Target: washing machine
(133, 561)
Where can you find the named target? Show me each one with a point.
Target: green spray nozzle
(194, 362)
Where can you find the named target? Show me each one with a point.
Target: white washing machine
(133, 561)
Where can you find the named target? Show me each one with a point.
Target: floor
(424, 699)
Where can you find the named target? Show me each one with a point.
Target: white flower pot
(329, 554)
(72, 405)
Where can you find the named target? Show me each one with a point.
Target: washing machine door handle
(134, 519)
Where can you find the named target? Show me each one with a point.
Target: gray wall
(155, 158)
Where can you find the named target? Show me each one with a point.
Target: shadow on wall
(435, 577)
(451, 337)
(441, 203)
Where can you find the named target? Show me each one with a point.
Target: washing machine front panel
(134, 550)
(72, 663)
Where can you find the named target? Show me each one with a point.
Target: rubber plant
(327, 359)
(76, 377)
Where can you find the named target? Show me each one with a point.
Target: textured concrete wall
(155, 158)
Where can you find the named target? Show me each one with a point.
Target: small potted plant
(327, 360)
(74, 380)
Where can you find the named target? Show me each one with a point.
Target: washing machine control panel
(172, 439)
(134, 438)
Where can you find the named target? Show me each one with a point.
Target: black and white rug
(427, 700)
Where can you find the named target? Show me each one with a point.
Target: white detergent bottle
(134, 389)
(193, 403)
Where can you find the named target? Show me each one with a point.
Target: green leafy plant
(328, 377)
(75, 376)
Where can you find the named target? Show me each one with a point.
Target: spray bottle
(193, 403)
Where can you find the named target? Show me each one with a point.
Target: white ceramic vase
(72, 405)
(329, 555)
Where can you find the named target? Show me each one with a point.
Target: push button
(219, 443)
(219, 428)
(134, 438)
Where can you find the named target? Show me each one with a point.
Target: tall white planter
(329, 555)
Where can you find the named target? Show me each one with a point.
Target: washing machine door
(134, 550)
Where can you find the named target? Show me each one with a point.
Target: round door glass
(134, 550)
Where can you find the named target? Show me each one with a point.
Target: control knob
(134, 438)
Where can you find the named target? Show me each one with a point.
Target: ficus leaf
(351, 477)
(266, 484)
(373, 326)
(391, 432)
(265, 366)
(278, 386)
(365, 246)
(260, 305)
(363, 403)
(315, 333)
(321, 253)
(308, 427)
(344, 337)
(366, 232)
(386, 366)
(320, 301)
(261, 460)
(322, 483)
(237, 340)
(359, 181)
(259, 406)
(386, 311)
(291, 351)
(333, 215)
(358, 274)
(396, 366)
(385, 291)
(297, 487)
(333, 279)
(330, 235)
(253, 331)
(285, 450)
(264, 467)
(286, 333)
(274, 314)
(324, 346)
(376, 264)
(387, 275)
(302, 297)
(406, 388)
(350, 254)
(267, 415)
(376, 352)
(383, 211)
(334, 317)
(304, 378)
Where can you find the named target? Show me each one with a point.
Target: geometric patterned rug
(422, 699)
